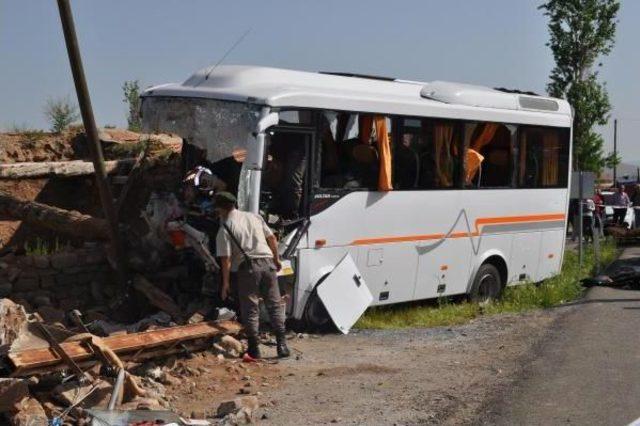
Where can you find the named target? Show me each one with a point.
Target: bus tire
(487, 285)
(316, 317)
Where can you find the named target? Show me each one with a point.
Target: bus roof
(284, 88)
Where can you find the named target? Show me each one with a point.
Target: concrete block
(26, 284)
(64, 260)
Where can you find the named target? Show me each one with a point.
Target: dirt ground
(403, 377)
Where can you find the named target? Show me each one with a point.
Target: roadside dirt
(36, 146)
(403, 377)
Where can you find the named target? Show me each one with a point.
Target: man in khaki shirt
(246, 245)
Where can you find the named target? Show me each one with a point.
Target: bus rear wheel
(487, 285)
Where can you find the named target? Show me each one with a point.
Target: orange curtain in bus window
(473, 157)
(550, 156)
(384, 151)
(474, 161)
(442, 141)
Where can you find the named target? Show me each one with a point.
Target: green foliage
(557, 290)
(131, 91)
(128, 149)
(612, 160)
(61, 113)
(581, 32)
(43, 247)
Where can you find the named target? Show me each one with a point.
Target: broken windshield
(221, 128)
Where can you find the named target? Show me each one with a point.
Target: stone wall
(56, 283)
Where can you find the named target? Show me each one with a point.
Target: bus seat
(365, 154)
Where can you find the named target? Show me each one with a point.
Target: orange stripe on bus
(478, 223)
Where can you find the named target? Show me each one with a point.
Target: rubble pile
(64, 374)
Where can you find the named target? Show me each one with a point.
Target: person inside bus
(407, 162)
(285, 174)
(621, 203)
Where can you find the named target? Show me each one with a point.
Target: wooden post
(615, 152)
(91, 131)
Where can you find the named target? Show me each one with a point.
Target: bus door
(285, 186)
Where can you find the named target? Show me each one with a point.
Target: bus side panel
(443, 268)
(525, 254)
(389, 271)
(550, 254)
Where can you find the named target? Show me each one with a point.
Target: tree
(61, 113)
(581, 32)
(131, 91)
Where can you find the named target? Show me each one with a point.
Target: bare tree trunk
(69, 222)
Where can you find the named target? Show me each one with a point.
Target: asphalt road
(586, 371)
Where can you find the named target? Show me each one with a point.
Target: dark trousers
(618, 216)
(263, 281)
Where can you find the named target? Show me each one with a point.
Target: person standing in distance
(246, 245)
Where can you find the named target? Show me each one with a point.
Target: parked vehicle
(386, 190)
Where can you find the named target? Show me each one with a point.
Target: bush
(61, 113)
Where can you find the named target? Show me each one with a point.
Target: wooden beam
(71, 168)
(25, 362)
(131, 179)
(68, 222)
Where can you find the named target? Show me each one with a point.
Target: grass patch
(44, 247)
(443, 312)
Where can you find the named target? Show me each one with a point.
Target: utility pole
(91, 131)
(615, 152)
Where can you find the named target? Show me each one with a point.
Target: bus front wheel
(316, 316)
(487, 285)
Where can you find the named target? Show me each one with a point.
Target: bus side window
(543, 159)
(350, 150)
(427, 155)
(488, 155)
(409, 154)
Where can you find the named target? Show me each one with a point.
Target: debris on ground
(64, 373)
(620, 273)
(76, 344)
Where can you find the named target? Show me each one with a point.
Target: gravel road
(404, 377)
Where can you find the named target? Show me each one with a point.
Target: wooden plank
(59, 168)
(30, 359)
(68, 222)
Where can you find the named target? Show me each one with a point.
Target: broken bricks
(28, 412)
(247, 403)
(12, 391)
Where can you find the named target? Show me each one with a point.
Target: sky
(490, 42)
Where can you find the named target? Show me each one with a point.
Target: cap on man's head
(224, 198)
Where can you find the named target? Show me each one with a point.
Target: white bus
(416, 190)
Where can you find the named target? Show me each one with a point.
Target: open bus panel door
(344, 294)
